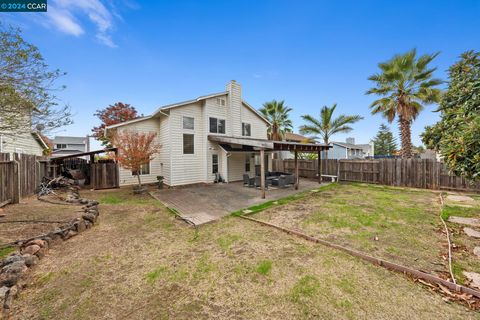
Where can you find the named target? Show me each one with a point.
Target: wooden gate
(104, 175)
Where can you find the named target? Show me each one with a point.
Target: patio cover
(261, 145)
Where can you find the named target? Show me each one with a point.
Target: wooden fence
(20, 175)
(415, 173)
(104, 175)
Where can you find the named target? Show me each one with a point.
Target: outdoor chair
(280, 182)
(247, 181)
(289, 179)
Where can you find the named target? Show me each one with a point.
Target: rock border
(30, 251)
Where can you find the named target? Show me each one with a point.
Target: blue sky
(310, 53)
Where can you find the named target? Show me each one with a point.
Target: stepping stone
(457, 198)
(471, 232)
(476, 251)
(468, 221)
(474, 278)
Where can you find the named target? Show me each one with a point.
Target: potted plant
(160, 182)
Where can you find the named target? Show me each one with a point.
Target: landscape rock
(90, 217)
(474, 278)
(472, 232)
(30, 259)
(80, 225)
(38, 242)
(31, 249)
(12, 293)
(15, 267)
(88, 224)
(41, 253)
(9, 279)
(10, 259)
(476, 251)
(467, 221)
(70, 234)
(3, 292)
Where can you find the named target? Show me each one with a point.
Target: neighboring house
(26, 143)
(350, 150)
(292, 137)
(65, 145)
(185, 131)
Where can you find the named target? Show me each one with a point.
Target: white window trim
(250, 129)
(183, 144)
(218, 163)
(217, 125)
(189, 130)
(149, 170)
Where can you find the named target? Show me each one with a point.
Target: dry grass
(139, 262)
(397, 224)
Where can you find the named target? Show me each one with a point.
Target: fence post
(15, 174)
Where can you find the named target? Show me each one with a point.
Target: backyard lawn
(139, 262)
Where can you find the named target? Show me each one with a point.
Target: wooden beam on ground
(4, 203)
(297, 179)
(262, 172)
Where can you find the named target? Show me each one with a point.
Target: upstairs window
(246, 129)
(221, 102)
(61, 146)
(217, 125)
(188, 144)
(188, 123)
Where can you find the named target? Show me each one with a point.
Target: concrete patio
(209, 202)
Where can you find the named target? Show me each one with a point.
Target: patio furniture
(257, 182)
(279, 182)
(290, 179)
(247, 181)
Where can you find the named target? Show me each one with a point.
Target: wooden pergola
(261, 146)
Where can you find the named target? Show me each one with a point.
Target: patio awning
(244, 144)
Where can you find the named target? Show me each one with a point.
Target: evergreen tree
(385, 142)
(457, 135)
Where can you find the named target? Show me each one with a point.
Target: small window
(221, 126)
(247, 163)
(188, 123)
(246, 129)
(144, 169)
(188, 140)
(221, 102)
(213, 125)
(61, 146)
(214, 163)
(217, 125)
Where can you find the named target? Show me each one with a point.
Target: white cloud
(65, 15)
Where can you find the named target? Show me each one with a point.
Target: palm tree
(277, 113)
(404, 84)
(325, 127)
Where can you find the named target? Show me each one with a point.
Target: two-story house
(188, 133)
(68, 145)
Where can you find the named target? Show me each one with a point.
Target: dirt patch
(31, 209)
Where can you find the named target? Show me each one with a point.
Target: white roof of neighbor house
(69, 140)
(167, 107)
(347, 145)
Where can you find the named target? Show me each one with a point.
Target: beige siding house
(23, 143)
(187, 155)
